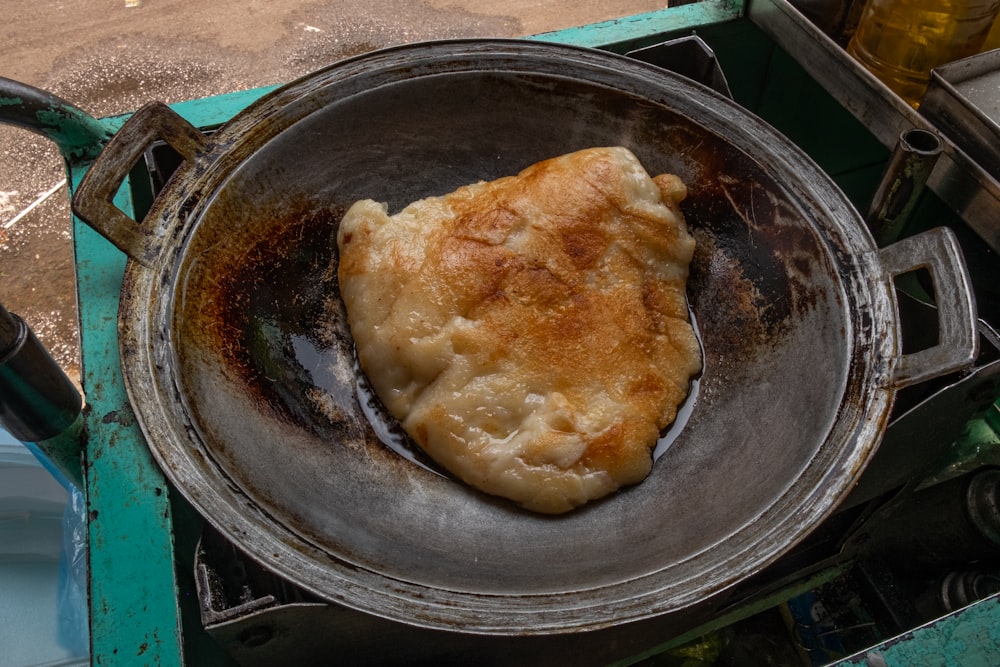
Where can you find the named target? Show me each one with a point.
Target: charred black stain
(735, 197)
(759, 264)
(268, 303)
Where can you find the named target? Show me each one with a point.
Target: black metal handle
(38, 403)
(37, 400)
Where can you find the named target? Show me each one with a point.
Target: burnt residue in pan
(758, 265)
(274, 315)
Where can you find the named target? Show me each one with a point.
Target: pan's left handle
(94, 198)
(938, 251)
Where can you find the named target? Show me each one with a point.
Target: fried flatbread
(531, 333)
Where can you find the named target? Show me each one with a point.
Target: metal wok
(239, 364)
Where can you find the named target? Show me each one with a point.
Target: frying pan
(240, 366)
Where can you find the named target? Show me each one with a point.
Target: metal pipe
(38, 402)
(902, 184)
(79, 135)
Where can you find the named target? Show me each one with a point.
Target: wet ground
(111, 56)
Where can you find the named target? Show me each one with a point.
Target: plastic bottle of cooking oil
(900, 41)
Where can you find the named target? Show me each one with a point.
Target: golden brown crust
(530, 333)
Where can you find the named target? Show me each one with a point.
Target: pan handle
(94, 199)
(937, 250)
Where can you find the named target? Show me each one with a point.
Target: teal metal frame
(968, 638)
(135, 592)
(141, 595)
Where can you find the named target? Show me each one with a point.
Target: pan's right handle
(94, 199)
(937, 251)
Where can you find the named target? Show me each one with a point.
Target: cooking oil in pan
(685, 409)
(388, 430)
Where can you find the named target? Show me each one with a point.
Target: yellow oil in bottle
(993, 37)
(900, 41)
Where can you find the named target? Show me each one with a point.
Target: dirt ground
(111, 56)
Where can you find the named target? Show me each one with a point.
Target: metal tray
(963, 102)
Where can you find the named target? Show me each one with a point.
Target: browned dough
(531, 333)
